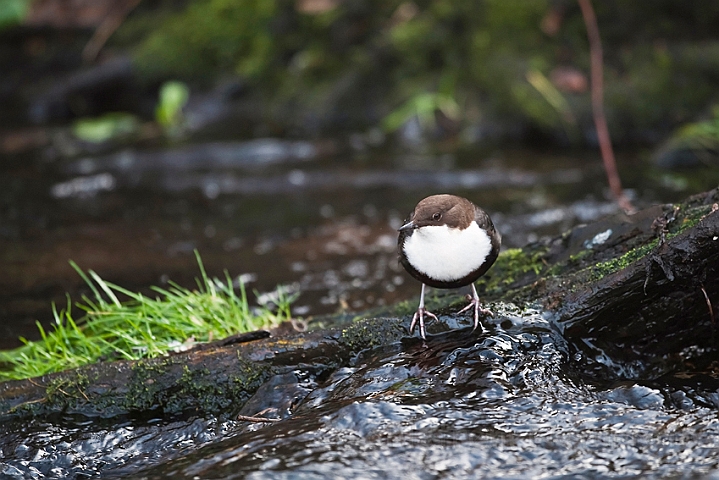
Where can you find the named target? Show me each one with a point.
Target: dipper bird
(447, 242)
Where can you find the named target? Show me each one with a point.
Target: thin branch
(600, 121)
(105, 30)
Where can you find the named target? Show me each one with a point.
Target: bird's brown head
(450, 210)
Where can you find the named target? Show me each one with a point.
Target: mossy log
(636, 295)
(629, 293)
(212, 378)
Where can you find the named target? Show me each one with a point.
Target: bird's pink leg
(474, 302)
(419, 315)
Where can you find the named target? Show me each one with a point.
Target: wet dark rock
(87, 92)
(299, 180)
(251, 154)
(654, 300)
(683, 157)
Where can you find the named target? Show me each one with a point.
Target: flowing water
(510, 402)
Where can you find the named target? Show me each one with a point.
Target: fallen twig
(257, 419)
(709, 304)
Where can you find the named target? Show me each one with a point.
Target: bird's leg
(419, 315)
(474, 302)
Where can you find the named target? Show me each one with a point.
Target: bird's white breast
(447, 254)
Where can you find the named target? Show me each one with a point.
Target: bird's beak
(407, 226)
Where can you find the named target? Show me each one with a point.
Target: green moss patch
(513, 266)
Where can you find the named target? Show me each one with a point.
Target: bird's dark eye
(436, 216)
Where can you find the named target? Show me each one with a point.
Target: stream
(321, 218)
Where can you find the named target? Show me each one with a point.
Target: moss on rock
(371, 332)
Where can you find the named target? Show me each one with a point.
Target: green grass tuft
(140, 327)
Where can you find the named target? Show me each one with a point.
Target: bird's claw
(419, 315)
(474, 302)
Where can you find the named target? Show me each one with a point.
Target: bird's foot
(474, 303)
(419, 315)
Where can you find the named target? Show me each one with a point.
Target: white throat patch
(447, 254)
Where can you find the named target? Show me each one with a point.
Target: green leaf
(106, 127)
(173, 97)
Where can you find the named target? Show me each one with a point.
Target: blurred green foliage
(701, 135)
(211, 36)
(12, 12)
(107, 127)
(173, 97)
(693, 143)
(661, 57)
